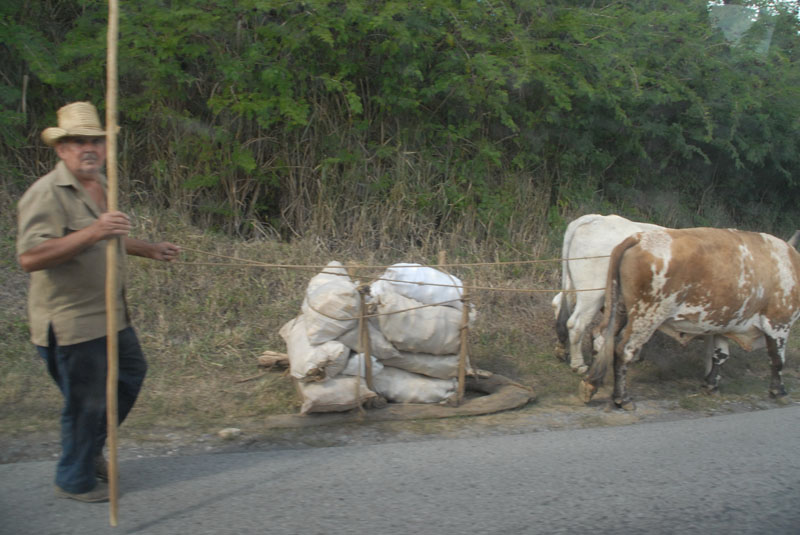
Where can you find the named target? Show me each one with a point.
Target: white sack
(355, 365)
(406, 387)
(328, 308)
(439, 366)
(332, 271)
(434, 330)
(333, 395)
(438, 286)
(379, 346)
(308, 362)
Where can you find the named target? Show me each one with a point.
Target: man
(63, 231)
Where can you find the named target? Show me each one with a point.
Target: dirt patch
(565, 413)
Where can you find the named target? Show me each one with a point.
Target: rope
(317, 267)
(243, 262)
(377, 314)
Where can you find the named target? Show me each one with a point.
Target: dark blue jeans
(80, 370)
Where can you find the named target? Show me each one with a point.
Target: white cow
(595, 236)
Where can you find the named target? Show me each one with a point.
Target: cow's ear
(794, 240)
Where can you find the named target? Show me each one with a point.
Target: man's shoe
(98, 494)
(101, 468)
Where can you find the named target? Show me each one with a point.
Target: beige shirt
(70, 296)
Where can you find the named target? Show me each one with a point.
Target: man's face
(83, 156)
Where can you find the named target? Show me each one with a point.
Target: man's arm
(56, 251)
(157, 251)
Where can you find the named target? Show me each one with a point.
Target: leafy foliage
(387, 121)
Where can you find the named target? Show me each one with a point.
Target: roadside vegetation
(381, 132)
(203, 327)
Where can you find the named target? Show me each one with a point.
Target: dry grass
(202, 328)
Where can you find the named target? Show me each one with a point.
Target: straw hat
(76, 119)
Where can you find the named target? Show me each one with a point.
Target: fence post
(363, 337)
(464, 352)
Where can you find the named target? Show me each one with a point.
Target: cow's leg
(560, 306)
(708, 342)
(587, 304)
(620, 320)
(718, 347)
(776, 348)
(621, 397)
(635, 334)
(577, 328)
(581, 318)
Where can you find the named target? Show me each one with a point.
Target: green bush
(387, 121)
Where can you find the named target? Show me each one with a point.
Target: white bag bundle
(330, 303)
(334, 395)
(379, 346)
(355, 365)
(309, 362)
(438, 366)
(405, 387)
(435, 330)
(424, 284)
(332, 271)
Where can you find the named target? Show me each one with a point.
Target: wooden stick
(114, 245)
(363, 336)
(463, 353)
(462, 359)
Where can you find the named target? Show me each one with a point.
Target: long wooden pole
(114, 244)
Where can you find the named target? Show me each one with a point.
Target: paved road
(726, 474)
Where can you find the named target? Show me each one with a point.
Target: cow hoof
(710, 390)
(781, 397)
(777, 394)
(625, 404)
(586, 390)
(580, 370)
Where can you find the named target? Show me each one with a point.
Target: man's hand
(111, 224)
(165, 251)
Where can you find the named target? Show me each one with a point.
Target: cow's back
(705, 280)
(594, 238)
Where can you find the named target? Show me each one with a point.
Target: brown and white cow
(743, 286)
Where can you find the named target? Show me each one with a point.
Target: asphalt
(737, 473)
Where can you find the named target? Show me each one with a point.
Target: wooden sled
(496, 394)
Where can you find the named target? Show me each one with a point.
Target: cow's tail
(605, 356)
(563, 298)
(562, 317)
